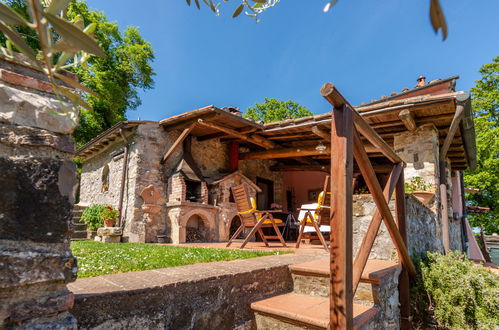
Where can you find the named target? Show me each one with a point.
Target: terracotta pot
(109, 222)
(424, 197)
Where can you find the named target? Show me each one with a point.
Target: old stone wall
(201, 296)
(91, 185)
(423, 228)
(38, 181)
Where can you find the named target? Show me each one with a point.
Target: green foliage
(96, 258)
(417, 183)
(109, 213)
(459, 294)
(486, 176)
(92, 216)
(115, 78)
(274, 110)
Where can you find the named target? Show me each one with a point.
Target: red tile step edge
(373, 272)
(307, 310)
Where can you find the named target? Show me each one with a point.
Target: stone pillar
(37, 180)
(420, 150)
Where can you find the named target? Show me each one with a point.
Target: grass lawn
(95, 258)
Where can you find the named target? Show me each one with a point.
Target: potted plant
(92, 217)
(420, 189)
(109, 216)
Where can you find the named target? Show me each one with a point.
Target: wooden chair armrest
(300, 209)
(271, 211)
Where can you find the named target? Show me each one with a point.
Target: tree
(116, 78)
(275, 110)
(486, 176)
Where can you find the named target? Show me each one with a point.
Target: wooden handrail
(375, 189)
(367, 243)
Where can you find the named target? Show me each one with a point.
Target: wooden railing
(346, 272)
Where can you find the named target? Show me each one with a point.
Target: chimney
(233, 110)
(421, 81)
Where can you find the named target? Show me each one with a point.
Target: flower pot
(424, 197)
(109, 222)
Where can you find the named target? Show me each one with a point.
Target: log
(291, 168)
(408, 119)
(334, 97)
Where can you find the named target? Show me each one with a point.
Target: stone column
(37, 184)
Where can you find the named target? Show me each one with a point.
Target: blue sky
(367, 48)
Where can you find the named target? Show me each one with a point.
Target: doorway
(265, 198)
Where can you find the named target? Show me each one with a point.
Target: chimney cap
(421, 78)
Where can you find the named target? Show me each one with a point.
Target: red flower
(109, 207)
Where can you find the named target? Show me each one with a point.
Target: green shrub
(92, 216)
(459, 294)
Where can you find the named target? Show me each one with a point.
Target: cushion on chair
(268, 222)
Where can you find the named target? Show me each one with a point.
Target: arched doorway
(196, 231)
(235, 223)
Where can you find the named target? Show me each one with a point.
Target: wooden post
(341, 295)
(444, 206)
(404, 285)
(234, 156)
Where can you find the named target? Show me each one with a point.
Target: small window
(105, 179)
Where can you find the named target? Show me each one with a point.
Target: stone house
(171, 176)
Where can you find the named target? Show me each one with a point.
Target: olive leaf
(56, 6)
(75, 84)
(16, 39)
(437, 18)
(74, 36)
(197, 4)
(238, 11)
(329, 5)
(72, 97)
(8, 16)
(260, 1)
(188, 2)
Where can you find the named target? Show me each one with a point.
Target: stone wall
(261, 168)
(423, 228)
(200, 296)
(38, 181)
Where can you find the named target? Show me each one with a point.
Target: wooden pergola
(347, 126)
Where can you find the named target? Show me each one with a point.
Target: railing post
(404, 285)
(341, 293)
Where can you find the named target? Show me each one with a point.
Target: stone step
(296, 311)
(312, 278)
(79, 239)
(79, 234)
(78, 226)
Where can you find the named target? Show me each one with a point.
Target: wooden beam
(255, 139)
(368, 241)
(291, 168)
(222, 134)
(290, 136)
(177, 142)
(381, 203)
(285, 153)
(322, 133)
(404, 285)
(297, 152)
(454, 126)
(341, 294)
(334, 97)
(408, 120)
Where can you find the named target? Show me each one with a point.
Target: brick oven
(199, 209)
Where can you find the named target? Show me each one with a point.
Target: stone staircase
(78, 228)
(307, 307)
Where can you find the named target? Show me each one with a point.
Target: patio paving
(274, 246)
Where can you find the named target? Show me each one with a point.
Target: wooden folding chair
(317, 217)
(252, 218)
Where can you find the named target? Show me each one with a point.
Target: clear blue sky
(367, 48)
